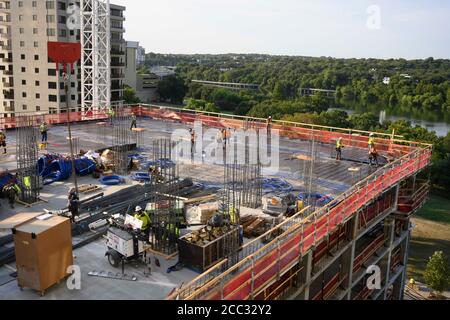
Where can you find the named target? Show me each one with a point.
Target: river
(440, 127)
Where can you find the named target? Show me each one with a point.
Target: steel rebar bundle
(27, 157)
(122, 138)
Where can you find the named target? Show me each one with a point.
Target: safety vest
(146, 221)
(111, 112)
(339, 144)
(17, 188)
(371, 141)
(43, 128)
(27, 182)
(2, 137)
(233, 217)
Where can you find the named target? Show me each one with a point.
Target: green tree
(129, 95)
(437, 273)
(173, 89)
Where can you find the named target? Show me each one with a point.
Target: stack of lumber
(207, 234)
(253, 226)
(201, 213)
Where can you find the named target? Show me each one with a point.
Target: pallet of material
(202, 213)
(255, 228)
(88, 188)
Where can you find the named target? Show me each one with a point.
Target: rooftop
(328, 177)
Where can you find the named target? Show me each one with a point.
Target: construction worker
(74, 204)
(269, 125)
(373, 155)
(371, 140)
(12, 191)
(111, 115)
(3, 141)
(192, 134)
(339, 147)
(133, 121)
(144, 217)
(44, 132)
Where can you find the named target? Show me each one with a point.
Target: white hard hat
(371, 135)
(138, 208)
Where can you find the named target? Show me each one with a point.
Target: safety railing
(251, 275)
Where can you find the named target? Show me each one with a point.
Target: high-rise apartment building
(29, 80)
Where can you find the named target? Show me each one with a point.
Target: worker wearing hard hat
(133, 121)
(144, 217)
(339, 147)
(43, 128)
(3, 141)
(371, 140)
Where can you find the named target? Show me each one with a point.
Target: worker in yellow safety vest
(111, 115)
(233, 216)
(44, 132)
(144, 217)
(12, 190)
(371, 140)
(339, 147)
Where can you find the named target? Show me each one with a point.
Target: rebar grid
(122, 138)
(27, 157)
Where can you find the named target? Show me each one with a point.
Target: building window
(51, 32)
(34, 4)
(35, 30)
(22, 57)
(24, 82)
(36, 57)
(72, 84)
(36, 44)
(50, 18)
(24, 69)
(38, 95)
(24, 107)
(62, 98)
(62, 19)
(20, 17)
(21, 31)
(38, 108)
(22, 44)
(52, 85)
(34, 17)
(62, 33)
(36, 70)
(61, 6)
(52, 98)
(50, 4)
(52, 72)
(20, 4)
(24, 94)
(37, 83)
(73, 97)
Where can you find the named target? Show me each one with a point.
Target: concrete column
(390, 225)
(305, 275)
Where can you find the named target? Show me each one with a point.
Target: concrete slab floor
(329, 177)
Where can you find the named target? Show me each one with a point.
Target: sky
(385, 29)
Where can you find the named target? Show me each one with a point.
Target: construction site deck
(320, 252)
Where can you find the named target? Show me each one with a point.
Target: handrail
(406, 162)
